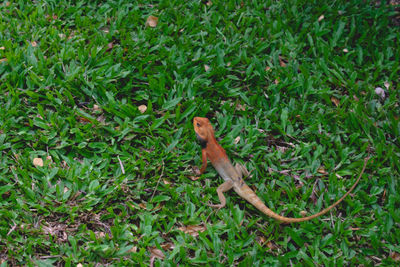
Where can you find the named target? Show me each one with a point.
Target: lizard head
(203, 128)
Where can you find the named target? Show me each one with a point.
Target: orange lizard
(210, 149)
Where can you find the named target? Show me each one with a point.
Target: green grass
(116, 184)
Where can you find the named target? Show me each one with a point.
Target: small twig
(120, 164)
(12, 229)
(50, 256)
(162, 173)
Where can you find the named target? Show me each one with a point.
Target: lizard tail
(248, 194)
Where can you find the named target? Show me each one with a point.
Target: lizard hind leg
(221, 190)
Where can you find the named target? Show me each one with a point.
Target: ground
(98, 155)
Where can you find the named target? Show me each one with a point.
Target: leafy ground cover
(98, 153)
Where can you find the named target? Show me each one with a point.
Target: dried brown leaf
(206, 67)
(3, 60)
(192, 230)
(166, 181)
(152, 21)
(194, 178)
(267, 68)
(321, 17)
(271, 245)
(395, 256)
(33, 43)
(303, 213)
(282, 62)
(38, 162)
(335, 101)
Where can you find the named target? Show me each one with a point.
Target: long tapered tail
(249, 195)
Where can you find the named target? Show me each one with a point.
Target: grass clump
(111, 183)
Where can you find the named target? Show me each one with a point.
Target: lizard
(233, 176)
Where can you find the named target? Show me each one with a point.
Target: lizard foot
(218, 206)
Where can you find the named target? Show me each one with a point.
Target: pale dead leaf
(3, 60)
(133, 250)
(276, 81)
(49, 158)
(96, 108)
(240, 107)
(387, 85)
(345, 50)
(142, 108)
(79, 265)
(99, 234)
(355, 98)
(237, 139)
(228, 64)
(7, 3)
(65, 189)
(354, 228)
(142, 205)
(267, 68)
(303, 213)
(209, 3)
(379, 91)
(335, 101)
(33, 43)
(152, 21)
(168, 246)
(206, 67)
(156, 253)
(322, 170)
(38, 162)
(2, 48)
(192, 230)
(321, 17)
(166, 181)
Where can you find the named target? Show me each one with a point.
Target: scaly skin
(233, 175)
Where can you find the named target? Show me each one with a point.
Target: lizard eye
(198, 124)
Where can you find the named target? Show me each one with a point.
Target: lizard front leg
(220, 191)
(204, 160)
(241, 170)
